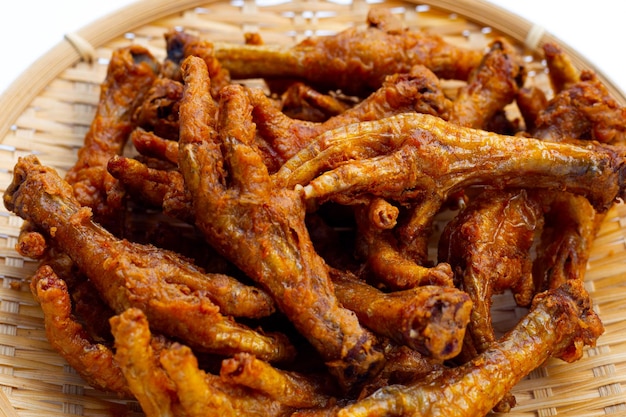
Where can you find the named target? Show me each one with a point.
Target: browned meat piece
(491, 86)
(289, 388)
(166, 379)
(180, 298)
(559, 324)
(137, 353)
(531, 101)
(130, 73)
(153, 187)
(488, 246)
(158, 112)
(393, 265)
(302, 102)
(561, 69)
(430, 319)
(93, 361)
(151, 145)
(566, 241)
(181, 44)
(585, 110)
(260, 227)
(415, 91)
(424, 158)
(355, 61)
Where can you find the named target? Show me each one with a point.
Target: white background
(596, 29)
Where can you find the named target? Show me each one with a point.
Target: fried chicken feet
(355, 61)
(180, 299)
(260, 227)
(559, 324)
(423, 157)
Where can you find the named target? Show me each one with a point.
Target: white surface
(596, 29)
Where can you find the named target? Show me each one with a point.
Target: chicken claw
(260, 227)
(559, 324)
(354, 61)
(424, 157)
(172, 292)
(93, 361)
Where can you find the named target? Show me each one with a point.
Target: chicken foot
(261, 228)
(559, 324)
(355, 61)
(177, 295)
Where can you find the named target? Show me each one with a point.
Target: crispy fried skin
(355, 61)
(491, 86)
(205, 395)
(158, 112)
(93, 361)
(430, 319)
(166, 379)
(130, 73)
(137, 354)
(261, 228)
(303, 102)
(174, 293)
(423, 156)
(152, 145)
(289, 388)
(417, 90)
(566, 241)
(584, 110)
(561, 70)
(488, 246)
(153, 187)
(181, 44)
(378, 245)
(531, 101)
(559, 324)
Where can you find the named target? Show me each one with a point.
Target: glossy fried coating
(421, 156)
(181, 44)
(152, 145)
(153, 187)
(559, 324)
(355, 61)
(158, 112)
(390, 263)
(561, 70)
(130, 73)
(261, 228)
(488, 246)
(584, 110)
(566, 241)
(303, 102)
(430, 319)
(93, 361)
(418, 90)
(531, 101)
(490, 87)
(290, 388)
(204, 395)
(403, 366)
(166, 379)
(174, 293)
(137, 354)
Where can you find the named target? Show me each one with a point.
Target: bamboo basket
(48, 111)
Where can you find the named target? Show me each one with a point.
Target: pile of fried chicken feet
(265, 251)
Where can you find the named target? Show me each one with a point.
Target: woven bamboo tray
(48, 111)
